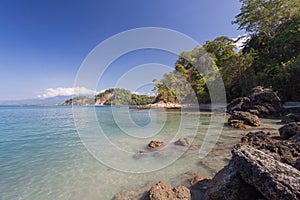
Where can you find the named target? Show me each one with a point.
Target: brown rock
(243, 120)
(164, 191)
(182, 192)
(155, 145)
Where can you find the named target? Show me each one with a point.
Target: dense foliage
(269, 58)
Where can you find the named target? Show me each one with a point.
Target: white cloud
(240, 41)
(143, 93)
(53, 92)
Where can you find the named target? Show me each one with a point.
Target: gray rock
(286, 151)
(289, 130)
(253, 174)
(183, 142)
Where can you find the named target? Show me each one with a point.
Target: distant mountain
(58, 100)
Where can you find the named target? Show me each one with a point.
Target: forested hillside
(269, 57)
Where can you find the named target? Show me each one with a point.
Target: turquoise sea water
(42, 156)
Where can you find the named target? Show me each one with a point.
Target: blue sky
(44, 42)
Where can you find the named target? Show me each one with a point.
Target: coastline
(264, 162)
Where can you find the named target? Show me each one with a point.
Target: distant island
(112, 96)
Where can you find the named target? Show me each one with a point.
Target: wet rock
(289, 130)
(253, 174)
(292, 117)
(183, 142)
(296, 138)
(297, 164)
(164, 191)
(198, 189)
(155, 145)
(262, 102)
(243, 120)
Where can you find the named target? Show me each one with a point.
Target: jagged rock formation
(243, 120)
(253, 174)
(262, 102)
(286, 151)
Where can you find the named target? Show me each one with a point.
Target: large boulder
(164, 191)
(286, 151)
(253, 174)
(243, 120)
(262, 102)
(289, 130)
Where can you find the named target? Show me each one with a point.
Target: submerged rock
(262, 102)
(243, 120)
(155, 145)
(140, 154)
(139, 193)
(183, 142)
(289, 130)
(253, 174)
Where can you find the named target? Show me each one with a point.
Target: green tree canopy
(265, 16)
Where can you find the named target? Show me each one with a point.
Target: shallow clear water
(42, 156)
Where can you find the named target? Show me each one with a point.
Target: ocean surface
(92, 152)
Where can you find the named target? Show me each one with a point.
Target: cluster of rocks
(155, 145)
(245, 111)
(263, 165)
(263, 102)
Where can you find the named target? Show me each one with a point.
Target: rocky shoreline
(263, 165)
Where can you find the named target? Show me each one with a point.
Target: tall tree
(265, 16)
